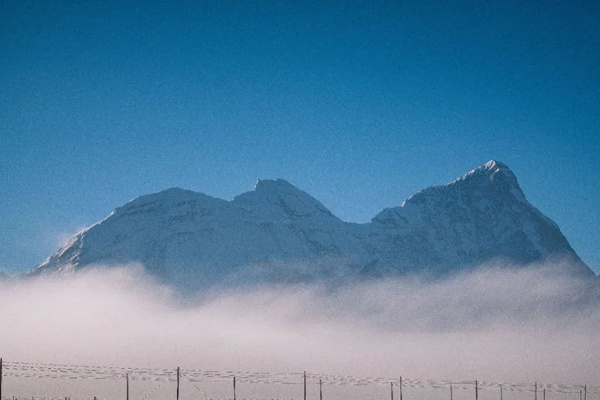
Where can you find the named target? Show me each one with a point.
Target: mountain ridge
(186, 237)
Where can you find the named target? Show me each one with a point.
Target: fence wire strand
(28, 370)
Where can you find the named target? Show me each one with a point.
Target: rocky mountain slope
(277, 232)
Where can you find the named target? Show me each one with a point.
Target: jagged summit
(493, 177)
(278, 185)
(495, 172)
(490, 169)
(272, 188)
(280, 198)
(281, 233)
(494, 165)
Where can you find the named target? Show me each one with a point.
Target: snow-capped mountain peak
(279, 198)
(274, 185)
(492, 168)
(497, 173)
(167, 198)
(490, 179)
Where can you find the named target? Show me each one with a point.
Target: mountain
(481, 216)
(278, 232)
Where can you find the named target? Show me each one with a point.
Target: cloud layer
(490, 324)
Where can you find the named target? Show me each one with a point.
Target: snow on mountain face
(481, 216)
(193, 240)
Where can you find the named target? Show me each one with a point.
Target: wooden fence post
(320, 389)
(400, 388)
(304, 385)
(177, 383)
(234, 394)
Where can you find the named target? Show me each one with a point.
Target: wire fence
(42, 381)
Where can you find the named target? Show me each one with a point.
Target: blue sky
(358, 103)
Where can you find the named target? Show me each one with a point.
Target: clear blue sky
(358, 103)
